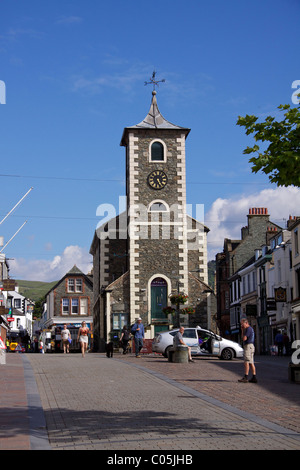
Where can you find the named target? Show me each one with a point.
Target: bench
(179, 355)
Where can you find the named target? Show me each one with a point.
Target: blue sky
(74, 73)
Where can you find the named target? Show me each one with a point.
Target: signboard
(271, 304)
(280, 294)
(4, 310)
(9, 284)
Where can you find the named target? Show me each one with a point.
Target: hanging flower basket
(178, 298)
(168, 310)
(187, 310)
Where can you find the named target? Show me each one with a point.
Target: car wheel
(227, 354)
(165, 354)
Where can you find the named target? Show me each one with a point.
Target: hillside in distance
(34, 290)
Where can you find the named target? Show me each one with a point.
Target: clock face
(157, 179)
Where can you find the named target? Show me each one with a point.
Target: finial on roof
(154, 82)
(154, 118)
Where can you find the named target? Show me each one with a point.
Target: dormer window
(157, 151)
(75, 285)
(71, 285)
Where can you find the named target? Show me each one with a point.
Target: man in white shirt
(65, 335)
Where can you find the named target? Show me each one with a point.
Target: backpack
(126, 335)
(133, 330)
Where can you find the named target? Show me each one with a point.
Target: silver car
(202, 343)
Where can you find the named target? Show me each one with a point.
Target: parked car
(202, 343)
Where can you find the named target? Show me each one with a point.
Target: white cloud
(51, 270)
(226, 217)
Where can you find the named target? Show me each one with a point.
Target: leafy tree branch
(281, 159)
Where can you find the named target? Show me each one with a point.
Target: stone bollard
(179, 355)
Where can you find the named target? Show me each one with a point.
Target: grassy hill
(34, 290)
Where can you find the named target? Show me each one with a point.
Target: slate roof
(154, 120)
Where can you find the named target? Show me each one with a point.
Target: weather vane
(153, 81)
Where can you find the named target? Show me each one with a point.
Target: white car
(202, 343)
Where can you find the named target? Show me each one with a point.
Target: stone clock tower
(165, 247)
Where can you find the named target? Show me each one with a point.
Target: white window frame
(158, 201)
(83, 305)
(71, 285)
(67, 304)
(78, 285)
(165, 151)
(74, 299)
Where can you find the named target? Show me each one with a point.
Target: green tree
(281, 159)
(38, 308)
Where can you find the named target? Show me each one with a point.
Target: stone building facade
(154, 248)
(294, 228)
(236, 253)
(69, 302)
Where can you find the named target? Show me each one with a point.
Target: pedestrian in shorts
(248, 338)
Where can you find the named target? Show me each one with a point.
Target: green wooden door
(158, 298)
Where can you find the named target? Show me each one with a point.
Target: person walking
(41, 345)
(279, 343)
(139, 333)
(66, 335)
(125, 337)
(286, 344)
(248, 337)
(82, 337)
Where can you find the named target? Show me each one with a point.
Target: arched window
(158, 206)
(157, 152)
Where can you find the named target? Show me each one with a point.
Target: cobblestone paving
(126, 403)
(273, 398)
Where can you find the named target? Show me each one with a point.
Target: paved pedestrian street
(127, 403)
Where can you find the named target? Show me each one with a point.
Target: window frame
(85, 300)
(74, 299)
(70, 281)
(161, 202)
(80, 287)
(164, 147)
(67, 304)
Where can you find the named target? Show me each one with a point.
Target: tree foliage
(281, 159)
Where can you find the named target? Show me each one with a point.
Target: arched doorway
(159, 299)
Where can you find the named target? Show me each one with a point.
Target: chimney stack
(258, 211)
